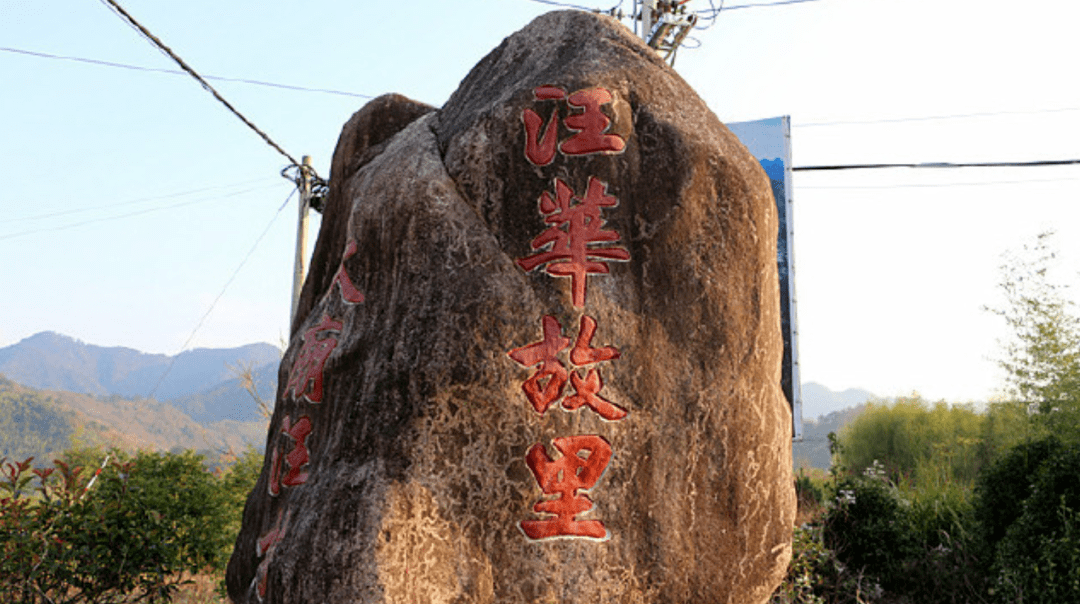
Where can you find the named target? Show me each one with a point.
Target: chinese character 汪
(295, 459)
(589, 126)
(306, 376)
(574, 227)
(584, 459)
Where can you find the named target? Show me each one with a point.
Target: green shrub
(1038, 560)
(138, 532)
(816, 576)
(869, 528)
(923, 444)
(808, 491)
(63, 544)
(1002, 489)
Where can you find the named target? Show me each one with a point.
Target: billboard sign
(769, 140)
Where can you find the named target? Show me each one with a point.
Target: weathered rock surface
(530, 369)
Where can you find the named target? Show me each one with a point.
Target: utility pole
(665, 24)
(648, 12)
(303, 183)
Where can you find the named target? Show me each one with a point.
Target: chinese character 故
(546, 385)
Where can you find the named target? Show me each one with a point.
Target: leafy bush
(175, 491)
(144, 525)
(64, 544)
(923, 444)
(1038, 559)
(1002, 489)
(869, 528)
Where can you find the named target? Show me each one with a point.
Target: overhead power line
(758, 5)
(127, 18)
(126, 215)
(134, 202)
(713, 11)
(934, 185)
(932, 117)
(996, 164)
(566, 5)
(46, 55)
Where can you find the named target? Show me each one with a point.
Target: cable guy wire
(213, 304)
(116, 8)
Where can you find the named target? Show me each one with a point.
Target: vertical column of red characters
(289, 456)
(574, 245)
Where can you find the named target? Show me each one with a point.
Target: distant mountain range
(825, 411)
(54, 388)
(202, 382)
(819, 401)
(44, 423)
(57, 386)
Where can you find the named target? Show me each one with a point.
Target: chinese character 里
(584, 459)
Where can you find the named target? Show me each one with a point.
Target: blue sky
(131, 198)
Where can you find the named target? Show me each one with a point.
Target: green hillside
(43, 424)
(31, 423)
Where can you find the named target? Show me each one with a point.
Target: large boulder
(538, 356)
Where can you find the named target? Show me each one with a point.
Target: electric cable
(46, 55)
(933, 117)
(127, 215)
(566, 5)
(172, 360)
(157, 43)
(758, 5)
(982, 183)
(712, 13)
(990, 164)
(133, 202)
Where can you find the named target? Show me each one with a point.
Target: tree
(1042, 359)
(144, 525)
(923, 444)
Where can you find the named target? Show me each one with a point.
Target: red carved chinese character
(587, 394)
(264, 549)
(587, 390)
(568, 250)
(583, 353)
(349, 293)
(544, 353)
(306, 377)
(296, 459)
(540, 149)
(590, 125)
(583, 461)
